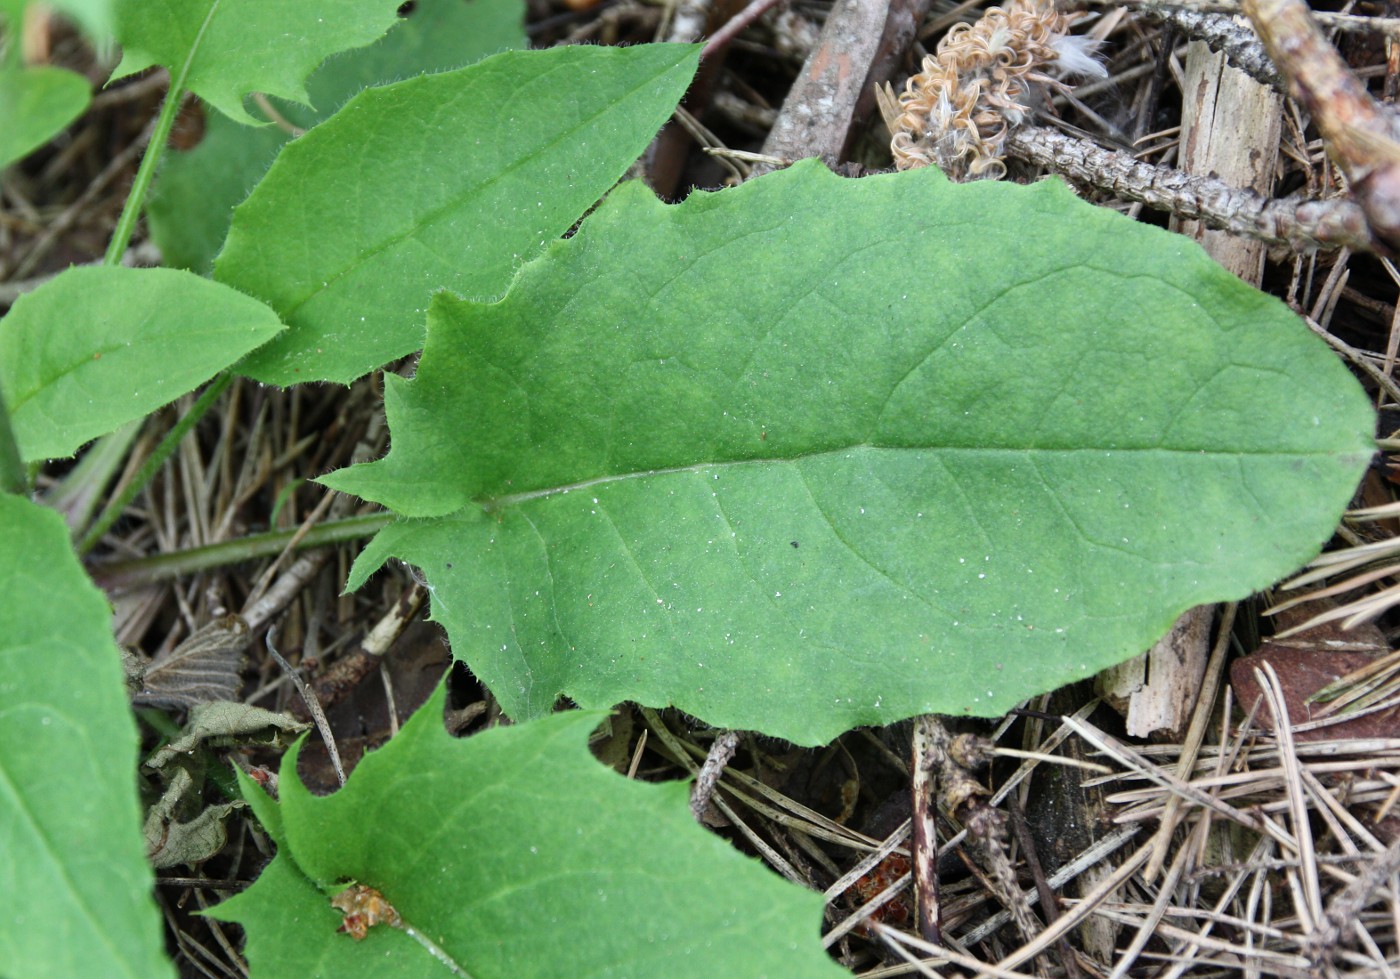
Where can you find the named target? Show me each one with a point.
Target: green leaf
(72, 867)
(97, 347)
(816, 453)
(193, 199)
(93, 16)
(35, 105)
(442, 181)
(267, 811)
(291, 930)
(518, 855)
(226, 49)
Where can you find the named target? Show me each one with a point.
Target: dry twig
(1362, 136)
(1297, 222)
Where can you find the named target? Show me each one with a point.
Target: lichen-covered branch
(1297, 222)
(1240, 45)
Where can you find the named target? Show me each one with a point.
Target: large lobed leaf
(817, 453)
(517, 855)
(223, 50)
(73, 873)
(441, 181)
(97, 347)
(193, 199)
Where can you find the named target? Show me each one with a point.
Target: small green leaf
(517, 855)
(441, 181)
(35, 105)
(815, 453)
(97, 347)
(193, 199)
(226, 49)
(72, 868)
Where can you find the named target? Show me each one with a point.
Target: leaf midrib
(492, 504)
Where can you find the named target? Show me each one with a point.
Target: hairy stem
(136, 197)
(170, 108)
(160, 567)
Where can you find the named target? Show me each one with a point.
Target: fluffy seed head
(957, 111)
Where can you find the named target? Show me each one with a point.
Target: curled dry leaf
(226, 724)
(202, 669)
(1320, 664)
(177, 830)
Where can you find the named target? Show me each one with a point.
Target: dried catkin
(978, 86)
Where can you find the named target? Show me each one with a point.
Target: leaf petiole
(161, 567)
(170, 108)
(152, 465)
(13, 476)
